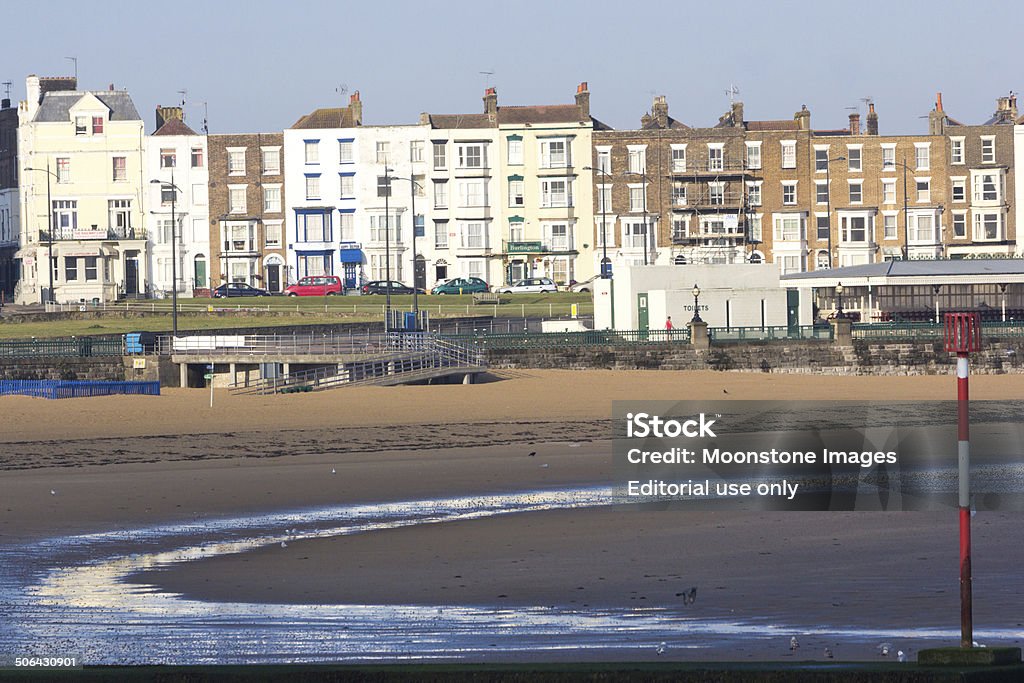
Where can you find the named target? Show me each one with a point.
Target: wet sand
(124, 462)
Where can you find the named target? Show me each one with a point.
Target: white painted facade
(181, 160)
(1018, 174)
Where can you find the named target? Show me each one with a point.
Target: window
(820, 160)
(604, 198)
(440, 194)
(97, 125)
(956, 150)
(604, 160)
(345, 152)
(853, 229)
(81, 125)
(472, 155)
(821, 192)
(889, 158)
(91, 268)
(960, 225)
(417, 225)
(753, 155)
(889, 226)
(554, 154)
(515, 192)
(168, 158)
(70, 268)
(856, 192)
(716, 156)
(236, 162)
(789, 193)
(515, 150)
(236, 199)
(347, 185)
(419, 185)
(164, 231)
(853, 158)
(383, 152)
(271, 161)
(755, 228)
(311, 227)
(822, 226)
(633, 235)
(382, 231)
(679, 195)
(637, 159)
(606, 236)
(789, 154)
(168, 195)
(924, 191)
(120, 169)
(119, 213)
(988, 149)
(558, 237)
(637, 198)
(347, 226)
(922, 228)
(472, 235)
(198, 157)
(678, 158)
(790, 264)
(312, 187)
(272, 199)
(416, 151)
(383, 186)
(312, 151)
(65, 217)
(473, 193)
(555, 192)
(922, 156)
(63, 170)
(959, 189)
(987, 226)
(787, 228)
(716, 193)
(986, 187)
(272, 233)
(440, 155)
(440, 234)
(888, 191)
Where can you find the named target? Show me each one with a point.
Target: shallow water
(69, 595)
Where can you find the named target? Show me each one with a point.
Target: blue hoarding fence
(75, 388)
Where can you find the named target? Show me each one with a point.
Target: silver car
(531, 285)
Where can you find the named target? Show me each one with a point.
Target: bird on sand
(900, 657)
(690, 596)
(283, 544)
(883, 649)
(52, 492)
(828, 653)
(532, 453)
(793, 643)
(662, 646)
(333, 471)
(725, 391)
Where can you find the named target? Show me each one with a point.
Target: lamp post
(412, 199)
(606, 265)
(696, 305)
(386, 189)
(935, 290)
(828, 202)
(643, 176)
(174, 250)
(839, 301)
(49, 224)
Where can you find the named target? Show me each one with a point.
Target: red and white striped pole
(963, 335)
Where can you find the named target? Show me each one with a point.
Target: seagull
(725, 391)
(690, 596)
(828, 653)
(283, 544)
(662, 646)
(532, 453)
(900, 656)
(334, 471)
(544, 465)
(52, 492)
(884, 648)
(793, 643)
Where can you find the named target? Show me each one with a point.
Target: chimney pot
(854, 124)
(582, 87)
(938, 101)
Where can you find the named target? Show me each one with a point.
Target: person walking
(668, 323)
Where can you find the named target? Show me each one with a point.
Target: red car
(316, 285)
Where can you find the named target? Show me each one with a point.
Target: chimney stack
(1006, 109)
(855, 124)
(872, 119)
(583, 101)
(165, 114)
(937, 118)
(491, 104)
(737, 114)
(355, 107)
(659, 111)
(803, 118)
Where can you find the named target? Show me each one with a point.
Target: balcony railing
(81, 234)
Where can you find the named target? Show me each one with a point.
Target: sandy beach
(90, 465)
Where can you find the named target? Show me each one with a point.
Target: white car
(585, 286)
(532, 285)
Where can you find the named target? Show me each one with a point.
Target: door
(419, 275)
(642, 320)
(131, 275)
(351, 275)
(274, 278)
(792, 309)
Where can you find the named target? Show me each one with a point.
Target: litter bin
(410, 321)
(138, 342)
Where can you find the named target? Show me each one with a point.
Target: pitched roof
(334, 117)
(782, 124)
(174, 127)
(652, 124)
(546, 113)
(56, 106)
(460, 121)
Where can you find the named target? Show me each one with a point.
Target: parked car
(461, 285)
(381, 287)
(534, 285)
(316, 285)
(232, 289)
(585, 286)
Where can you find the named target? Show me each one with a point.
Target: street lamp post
(696, 305)
(412, 200)
(174, 250)
(387, 250)
(49, 225)
(606, 265)
(839, 301)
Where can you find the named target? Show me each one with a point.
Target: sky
(260, 65)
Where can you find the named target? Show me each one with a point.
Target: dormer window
(97, 125)
(81, 125)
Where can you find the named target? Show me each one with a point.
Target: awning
(351, 255)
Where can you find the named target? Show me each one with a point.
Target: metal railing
(62, 347)
(54, 389)
(927, 331)
(540, 340)
(781, 332)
